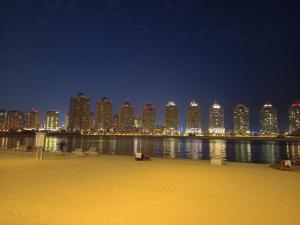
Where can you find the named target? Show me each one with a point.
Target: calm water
(189, 148)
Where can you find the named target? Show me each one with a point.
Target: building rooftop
(296, 103)
(171, 104)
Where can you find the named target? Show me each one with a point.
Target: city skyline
(81, 104)
(155, 52)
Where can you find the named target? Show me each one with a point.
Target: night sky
(151, 51)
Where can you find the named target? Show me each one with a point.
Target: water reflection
(293, 150)
(217, 149)
(170, 147)
(270, 152)
(51, 143)
(194, 149)
(242, 151)
(191, 148)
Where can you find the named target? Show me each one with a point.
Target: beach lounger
(283, 165)
(78, 152)
(140, 156)
(92, 151)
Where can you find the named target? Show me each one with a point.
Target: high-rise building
(268, 120)
(79, 115)
(149, 118)
(115, 122)
(104, 112)
(138, 123)
(171, 118)
(126, 118)
(193, 119)
(294, 117)
(67, 121)
(52, 120)
(92, 121)
(216, 119)
(15, 120)
(241, 120)
(33, 120)
(2, 119)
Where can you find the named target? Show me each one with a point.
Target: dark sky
(150, 51)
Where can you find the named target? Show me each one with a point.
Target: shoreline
(246, 138)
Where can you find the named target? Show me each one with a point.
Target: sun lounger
(92, 151)
(140, 156)
(78, 152)
(284, 165)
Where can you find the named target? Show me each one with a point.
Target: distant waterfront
(232, 149)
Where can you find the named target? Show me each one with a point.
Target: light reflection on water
(190, 148)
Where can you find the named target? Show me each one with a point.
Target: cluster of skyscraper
(18, 120)
(80, 118)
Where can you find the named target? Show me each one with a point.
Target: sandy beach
(119, 190)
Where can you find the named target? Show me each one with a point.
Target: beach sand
(119, 190)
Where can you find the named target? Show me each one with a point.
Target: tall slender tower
(2, 119)
(268, 120)
(241, 120)
(294, 117)
(216, 119)
(171, 118)
(149, 118)
(126, 118)
(104, 112)
(79, 115)
(15, 120)
(52, 120)
(33, 120)
(193, 119)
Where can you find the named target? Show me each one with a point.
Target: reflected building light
(113, 146)
(217, 149)
(137, 145)
(270, 152)
(195, 149)
(170, 147)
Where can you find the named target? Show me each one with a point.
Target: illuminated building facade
(171, 118)
(79, 115)
(15, 120)
(241, 120)
(52, 120)
(115, 122)
(104, 112)
(138, 123)
(92, 121)
(216, 119)
(149, 118)
(294, 117)
(268, 120)
(193, 119)
(2, 119)
(126, 118)
(67, 121)
(33, 120)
